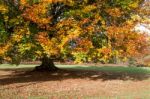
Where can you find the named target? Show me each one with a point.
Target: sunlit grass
(108, 68)
(83, 67)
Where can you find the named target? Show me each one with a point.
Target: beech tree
(84, 30)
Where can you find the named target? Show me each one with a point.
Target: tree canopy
(80, 30)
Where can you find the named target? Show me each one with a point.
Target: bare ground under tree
(72, 83)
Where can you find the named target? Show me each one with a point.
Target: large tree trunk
(47, 65)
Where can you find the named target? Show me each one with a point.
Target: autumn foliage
(80, 30)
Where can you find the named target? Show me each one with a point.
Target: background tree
(83, 30)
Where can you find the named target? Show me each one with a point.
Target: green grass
(108, 68)
(83, 67)
(9, 66)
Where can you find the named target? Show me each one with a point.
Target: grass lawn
(75, 82)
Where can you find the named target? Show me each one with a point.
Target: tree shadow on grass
(76, 72)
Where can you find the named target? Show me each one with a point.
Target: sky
(142, 28)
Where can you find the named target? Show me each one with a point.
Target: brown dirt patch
(72, 84)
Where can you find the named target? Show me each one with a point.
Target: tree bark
(47, 65)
